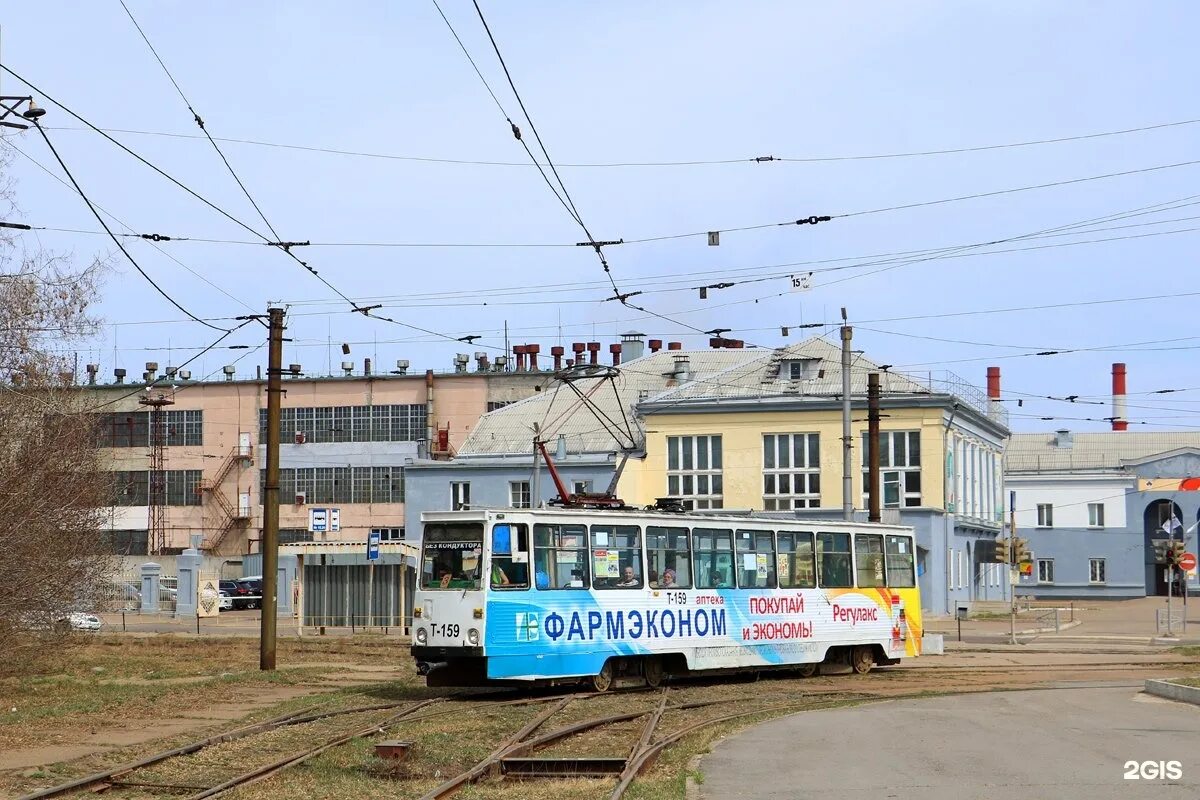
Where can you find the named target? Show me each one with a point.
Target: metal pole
(1170, 566)
(370, 595)
(875, 500)
(1012, 560)
(847, 442)
(270, 534)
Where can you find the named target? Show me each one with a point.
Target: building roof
(1090, 452)
(557, 410)
(763, 374)
(663, 380)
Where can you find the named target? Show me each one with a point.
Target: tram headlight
(473, 636)
(422, 636)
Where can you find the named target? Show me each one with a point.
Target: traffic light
(1023, 556)
(1174, 553)
(1000, 553)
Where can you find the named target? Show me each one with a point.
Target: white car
(226, 601)
(84, 622)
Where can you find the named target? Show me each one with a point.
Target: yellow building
(766, 435)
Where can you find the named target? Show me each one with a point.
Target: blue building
(1099, 508)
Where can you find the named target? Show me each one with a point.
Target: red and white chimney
(993, 384)
(1119, 421)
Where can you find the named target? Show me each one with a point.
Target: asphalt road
(1069, 744)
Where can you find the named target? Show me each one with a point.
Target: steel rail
(268, 770)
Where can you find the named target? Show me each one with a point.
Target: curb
(1173, 691)
(691, 789)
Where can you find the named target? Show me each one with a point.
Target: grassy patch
(1192, 651)
(1195, 681)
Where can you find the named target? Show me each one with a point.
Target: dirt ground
(117, 698)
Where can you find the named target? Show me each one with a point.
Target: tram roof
(717, 518)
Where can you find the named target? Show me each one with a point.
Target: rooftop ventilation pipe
(1119, 422)
(632, 346)
(593, 352)
(348, 368)
(460, 362)
(366, 366)
(92, 369)
(1063, 438)
(615, 350)
(675, 345)
(402, 366)
(481, 361)
(558, 352)
(655, 345)
(532, 351)
(151, 370)
(119, 374)
(229, 370)
(519, 352)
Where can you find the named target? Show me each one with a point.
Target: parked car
(253, 588)
(240, 596)
(83, 622)
(226, 601)
(76, 620)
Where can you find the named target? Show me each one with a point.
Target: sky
(619, 82)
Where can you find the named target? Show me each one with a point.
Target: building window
(791, 471)
(460, 495)
(382, 423)
(900, 468)
(132, 428)
(294, 535)
(180, 487)
(1045, 570)
(1045, 515)
(493, 405)
(1096, 571)
(694, 471)
(389, 534)
(581, 487)
(128, 543)
(336, 485)
(1095, 515)
(519, 494)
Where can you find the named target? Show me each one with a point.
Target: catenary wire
(116, 241)
(677, 163)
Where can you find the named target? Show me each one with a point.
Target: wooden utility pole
(270, 532)
(875, 499)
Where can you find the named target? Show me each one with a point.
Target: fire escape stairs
(230, 515)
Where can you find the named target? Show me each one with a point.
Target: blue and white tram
(554, 595)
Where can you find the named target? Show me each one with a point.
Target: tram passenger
(629, 579)
(498, 576)
(654, 578)
(668, 578)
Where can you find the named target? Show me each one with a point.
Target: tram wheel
(808, 670)
(603, 680)
(652, 671)
(862, 658)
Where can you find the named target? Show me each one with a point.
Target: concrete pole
(847, 441)
(270, 539)
(874, 513)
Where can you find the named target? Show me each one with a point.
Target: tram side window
(617, 557)
(713, 556)
(797, 569)
(900, 562)
(756, 559)
(668, 557)
(560, 556)
(510, 557)
(868, 557)
(833, 561)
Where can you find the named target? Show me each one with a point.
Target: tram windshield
(452, 555)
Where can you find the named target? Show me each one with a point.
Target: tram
(616, 597)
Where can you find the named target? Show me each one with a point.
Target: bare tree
(54, 486)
